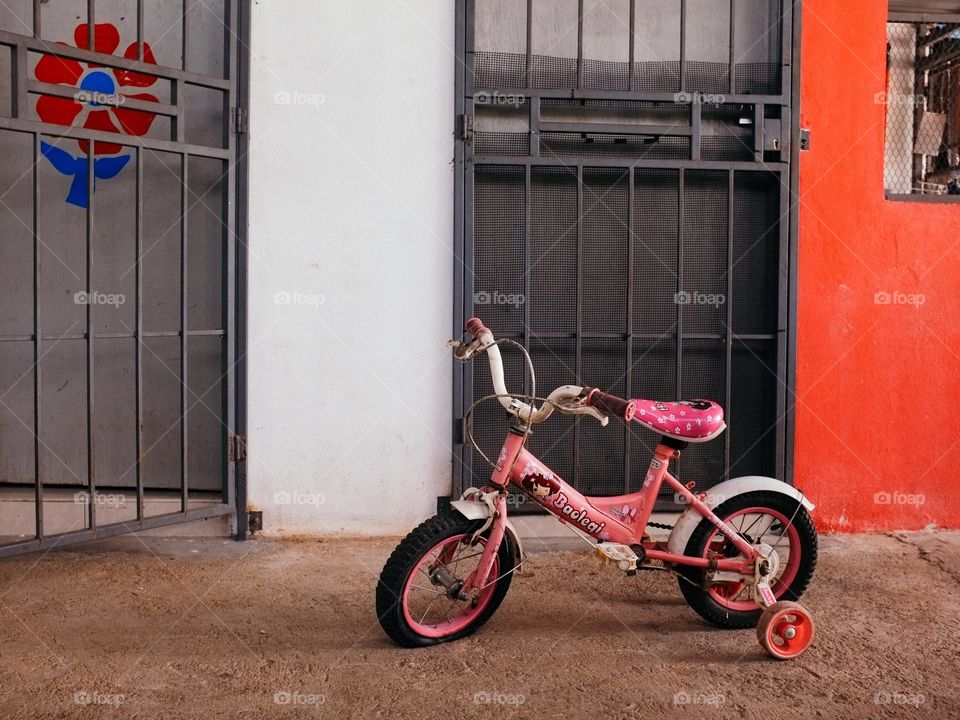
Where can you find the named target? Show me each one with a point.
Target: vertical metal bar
(632, 71)
(793, 40)
(534, 125)
(91, 465)
(19, 97)
(529, 73)
(184, 173)
(579, 49)
(37, 342)
(789, 39)
(758, 131)
(37, 27)
(459, 448)
(138, 321)
(579, 316)
(91, 25)
(140, 23)
(729, 334)
(466, 229)
(179, 126)
(228, 274)
(631, 192)
(185, 40)
(239, 384)
(733, 47)
(784, 326)
(527, 274)
(696, 128)
(683, 45)
(680, 215)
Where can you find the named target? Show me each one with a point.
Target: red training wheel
(785, 630)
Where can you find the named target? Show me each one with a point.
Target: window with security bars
(922, 156)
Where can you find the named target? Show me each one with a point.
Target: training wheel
(785, 630)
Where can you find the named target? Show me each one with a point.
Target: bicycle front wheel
(415, 603)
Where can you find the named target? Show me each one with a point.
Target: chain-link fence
(921, 103)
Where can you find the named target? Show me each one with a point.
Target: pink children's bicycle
(743, 554)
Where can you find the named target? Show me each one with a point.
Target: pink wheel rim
(727, 594)
(452, 615)
(788, 633)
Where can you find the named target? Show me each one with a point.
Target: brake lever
(464, 351)
(578, 408)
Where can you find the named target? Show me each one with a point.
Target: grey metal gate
(121, 273)
(623, 209)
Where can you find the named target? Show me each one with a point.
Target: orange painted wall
(878, 385)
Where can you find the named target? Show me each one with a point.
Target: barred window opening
(922, 155)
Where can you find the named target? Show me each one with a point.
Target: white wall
(351, 194)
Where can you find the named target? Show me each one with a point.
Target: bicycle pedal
(621, 555)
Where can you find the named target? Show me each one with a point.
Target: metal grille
(623, 211)
(118, 337)
(922, 155)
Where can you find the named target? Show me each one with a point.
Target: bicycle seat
(692, 420)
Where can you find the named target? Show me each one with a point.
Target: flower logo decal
(97, 105)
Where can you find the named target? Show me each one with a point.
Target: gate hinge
(237, 451)
(238, 121)
(459, 431)
(804, 139)
(465, 128)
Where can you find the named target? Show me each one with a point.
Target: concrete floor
(150, 627)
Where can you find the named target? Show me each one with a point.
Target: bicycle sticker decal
(580, 517)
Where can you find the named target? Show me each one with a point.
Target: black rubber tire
(691, 578)
(405, 559)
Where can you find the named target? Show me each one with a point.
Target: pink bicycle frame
(622, 519)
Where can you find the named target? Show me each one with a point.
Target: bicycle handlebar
(484, 340)
(612, 404)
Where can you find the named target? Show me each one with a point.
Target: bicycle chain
(660, 526)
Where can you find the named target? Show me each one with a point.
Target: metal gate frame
(465, 162)
(235, 87)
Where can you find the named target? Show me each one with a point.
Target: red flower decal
(95, 83)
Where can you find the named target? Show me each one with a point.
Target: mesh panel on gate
(704, 252)
(498, 264)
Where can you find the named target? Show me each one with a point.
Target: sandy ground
(210, 628)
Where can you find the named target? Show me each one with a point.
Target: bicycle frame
(621, 519)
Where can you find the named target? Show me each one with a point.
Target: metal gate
(120, 271)
(623, 209)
